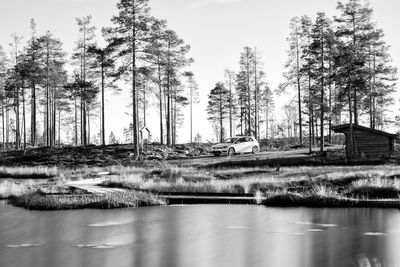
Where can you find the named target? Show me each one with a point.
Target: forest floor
(98, 155)
(181, 155)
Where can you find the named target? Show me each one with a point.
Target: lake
(200, 235)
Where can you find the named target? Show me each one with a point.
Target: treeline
(340, 70)
(139, 50)
(244, 101)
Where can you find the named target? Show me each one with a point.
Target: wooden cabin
(367, 142)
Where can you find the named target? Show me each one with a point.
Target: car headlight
(224, 147)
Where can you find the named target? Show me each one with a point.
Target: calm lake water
(209, 235)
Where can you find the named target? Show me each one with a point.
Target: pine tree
(230, 84)
(247, 72)
(111, 139)
(53, 58)
(193, 98)
(3, 71)
(104, 66)
(131, 32)
(82, 58)
(35, 72)
(218, 107)
(321, 34)
(354, 25)
(267, 105)
(175, 59)
(295, 62)
(155, 54)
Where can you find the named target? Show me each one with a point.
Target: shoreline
(166, 184)
(117, 201)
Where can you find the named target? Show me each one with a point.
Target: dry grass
(38, 201)
(15, 188)
(305, 184)
(321, 180)
(375, 188)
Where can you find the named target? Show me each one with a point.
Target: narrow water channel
(204, 235)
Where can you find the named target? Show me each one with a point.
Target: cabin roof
(346, 127)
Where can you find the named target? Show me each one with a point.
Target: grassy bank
(292, 186)
(38, 201)
(288, 186)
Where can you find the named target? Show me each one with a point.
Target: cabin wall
(370, 145)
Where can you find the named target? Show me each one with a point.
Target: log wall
(369, 144)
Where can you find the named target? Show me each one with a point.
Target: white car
(236, 145)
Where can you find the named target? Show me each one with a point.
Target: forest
(40, 100)
(338, 70)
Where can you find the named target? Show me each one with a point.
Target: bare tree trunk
(322, 94)
(103, 140)
(299, 91)
(81, 119)
(59, 126)
(161, 102)
(168, 100)
(248, 97)
(255, 96)
(230, 106)
(2, 119)
(7, 124)
(17, 129)
(24, 116)
(350, 150)
(221, 126)
(54, 118)
(191, 114)
(88, 126)
(134, 94)
(76, 124)
(47, 128)
(175, 119)
(266, 120)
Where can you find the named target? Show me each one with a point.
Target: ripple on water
(374, 233)
(314, 230)
(237, 227)
(303, 223)
(297, 233)
(112, 223)
(24, 245)
(317, 224)
(327, 225)
(99, 246)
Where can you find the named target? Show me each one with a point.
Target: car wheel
(231, 151)
(254, 150)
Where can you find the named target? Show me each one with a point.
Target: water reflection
(200, 236)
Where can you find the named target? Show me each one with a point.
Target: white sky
(217, 30)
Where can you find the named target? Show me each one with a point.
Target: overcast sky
(217, 30)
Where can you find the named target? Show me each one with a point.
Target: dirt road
(261, 156)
